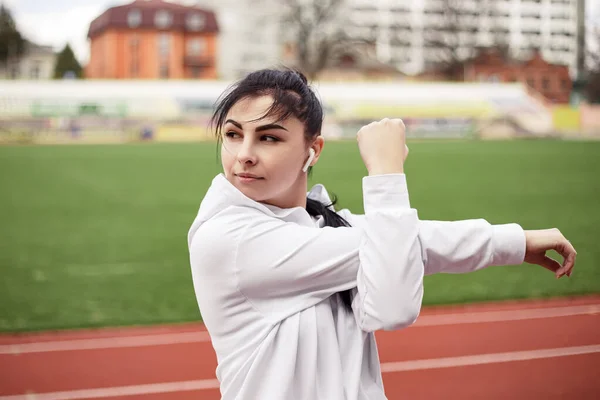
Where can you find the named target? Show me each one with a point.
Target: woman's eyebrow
(236, 124)
(259, 129)
(268, 127)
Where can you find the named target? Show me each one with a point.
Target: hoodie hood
(222, 194)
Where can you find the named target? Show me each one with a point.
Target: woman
(291, 291)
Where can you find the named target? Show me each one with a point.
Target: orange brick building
(550, 80)
(153, 39)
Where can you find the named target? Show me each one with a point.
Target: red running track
(514, 350)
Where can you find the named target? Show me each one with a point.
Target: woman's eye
(231, 134)
(270, 139)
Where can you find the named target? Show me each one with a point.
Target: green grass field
(96, 235)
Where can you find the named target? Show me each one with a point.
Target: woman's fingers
(538, 242)
(382, 146)
(549, 264)
(568, 264)
(565, 249)
(571, 264)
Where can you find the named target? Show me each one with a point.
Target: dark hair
(292, 96)
(331, 218)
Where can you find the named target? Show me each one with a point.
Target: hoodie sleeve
(464, 246)
(283, 267)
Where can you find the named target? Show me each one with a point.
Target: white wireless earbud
(311, 151)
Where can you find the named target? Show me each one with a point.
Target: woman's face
(263, 158)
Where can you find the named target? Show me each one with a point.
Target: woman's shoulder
(219, 235)
(228, 221)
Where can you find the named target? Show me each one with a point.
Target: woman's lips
(248, 178)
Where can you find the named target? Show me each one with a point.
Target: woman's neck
(295, 197)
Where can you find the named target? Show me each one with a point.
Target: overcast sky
(56, 22)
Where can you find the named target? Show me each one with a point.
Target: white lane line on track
(170, 387)
(107, 343)
(506, 315)
(202, 336)
(133, 390)
(493, 358)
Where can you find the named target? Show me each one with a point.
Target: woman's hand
(382, 146)
(539, 241)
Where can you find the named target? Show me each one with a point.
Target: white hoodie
(265, 280)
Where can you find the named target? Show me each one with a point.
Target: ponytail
(333, 219)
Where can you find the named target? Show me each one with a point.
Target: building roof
(37, 49)
(145, 14)
(498, 58)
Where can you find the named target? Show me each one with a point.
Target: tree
(592, 86)
(317, 32)
(12, 44)
(499, 30)
(67, 65)
(455, 39)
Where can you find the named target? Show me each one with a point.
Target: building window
(545, 83)
(196, 47)
(34, 72)
(164, 71)
(134, 72)
(134, 18)
(164, 44)
(13, 72)
(195, 21)
(163, 19)
(134, 43)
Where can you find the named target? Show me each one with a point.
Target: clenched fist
(383, 147)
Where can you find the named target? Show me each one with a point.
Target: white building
(400, 26)
(37, 62)
(252, 35)
(248, 35)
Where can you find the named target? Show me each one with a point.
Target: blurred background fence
(125, 111)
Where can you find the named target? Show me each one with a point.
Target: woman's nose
(247, 154)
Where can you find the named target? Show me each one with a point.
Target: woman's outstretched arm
(284, 266)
